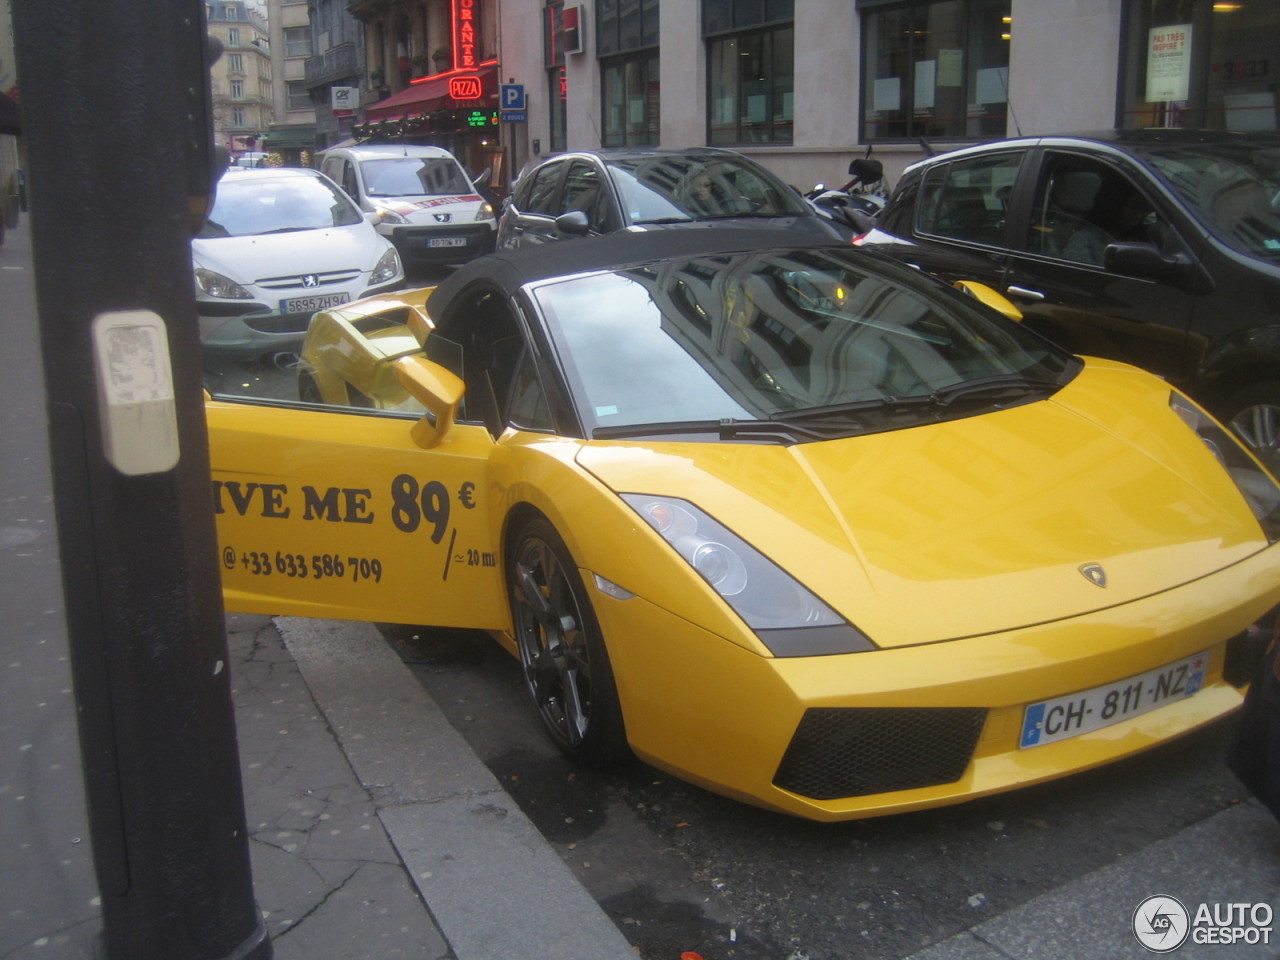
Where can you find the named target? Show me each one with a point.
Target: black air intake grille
(850, 752)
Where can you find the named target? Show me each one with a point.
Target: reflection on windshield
(770, 337)
(245, 208)
(1232, 188)
(677, 188)
(414, 177)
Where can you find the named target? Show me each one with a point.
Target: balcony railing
(336, 63)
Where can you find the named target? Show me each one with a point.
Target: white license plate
(1077, 713)
(312, 304)
(447, 242)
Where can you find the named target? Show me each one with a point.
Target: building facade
(803, 87)
(292, 135)
(240, 80)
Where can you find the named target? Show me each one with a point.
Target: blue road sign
(512, 96)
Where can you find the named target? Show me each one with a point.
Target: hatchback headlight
(387, 268)
(1254, 483)
(787, 617)
(216, 285)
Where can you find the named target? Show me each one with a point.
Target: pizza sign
(465, 88)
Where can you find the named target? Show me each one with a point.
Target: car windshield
(802, 340)
(414, 177)
(1232, 187)
(678, 188)
(252, 206)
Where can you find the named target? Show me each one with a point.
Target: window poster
(926, 82)
(1168, 63)
(887, 94)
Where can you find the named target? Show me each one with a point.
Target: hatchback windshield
(414, 177)
(250, 206)
(1233, 188)
(806, 337)
(677, 188)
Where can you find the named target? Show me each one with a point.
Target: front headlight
(485, 212)
(388, 267)
(784, 614)
(216, 285)
(1254, 483)
(388, 215)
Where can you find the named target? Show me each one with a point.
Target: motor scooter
(857, 203)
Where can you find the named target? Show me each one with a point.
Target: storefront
(1201, 63)
(457, 110)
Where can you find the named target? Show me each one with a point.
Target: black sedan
(600, 191)
(1158, 247)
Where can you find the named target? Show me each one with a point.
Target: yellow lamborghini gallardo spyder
(793, 522)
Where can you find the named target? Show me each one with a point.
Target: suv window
(967, 199)
(1083, 204)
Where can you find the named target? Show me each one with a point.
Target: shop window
(937, 69)
(752, 83)
(1200, 63)
(630, 101)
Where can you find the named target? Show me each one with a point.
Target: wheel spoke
(1259, 427)
(531, 593)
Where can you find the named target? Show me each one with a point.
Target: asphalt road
(680, 869)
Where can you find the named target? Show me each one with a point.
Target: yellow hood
(976, 525)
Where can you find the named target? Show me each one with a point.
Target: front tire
(562, 653)
(1253, 414)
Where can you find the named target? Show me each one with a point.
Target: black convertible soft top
(509, 270)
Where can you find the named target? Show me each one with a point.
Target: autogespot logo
(1161, 924)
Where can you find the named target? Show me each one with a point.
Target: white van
(428, 206)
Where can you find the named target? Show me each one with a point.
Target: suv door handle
(1025, 294)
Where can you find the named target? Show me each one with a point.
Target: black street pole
(117, 128)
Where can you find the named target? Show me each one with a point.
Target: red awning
(432, 93)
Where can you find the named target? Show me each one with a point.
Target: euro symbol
(467, 490)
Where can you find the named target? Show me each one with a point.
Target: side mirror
(992, 298)
(573, 224)
(436, 389)
(1142, 260)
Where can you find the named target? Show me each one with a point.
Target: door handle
(1025, 294)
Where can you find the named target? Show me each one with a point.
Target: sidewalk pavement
(375, 830)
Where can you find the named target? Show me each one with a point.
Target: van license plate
(1077, 713)
(447, 242)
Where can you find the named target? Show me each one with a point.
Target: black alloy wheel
(562, 653)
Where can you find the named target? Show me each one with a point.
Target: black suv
(599, 191)
(1157, 247)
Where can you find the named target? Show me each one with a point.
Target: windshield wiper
(878, 408)
(984, 389)
(993, 387)
(724, 429)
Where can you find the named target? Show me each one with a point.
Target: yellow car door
(335, 512)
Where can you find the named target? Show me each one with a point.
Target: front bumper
(716, 714)
(442, 244)
(248, 329)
